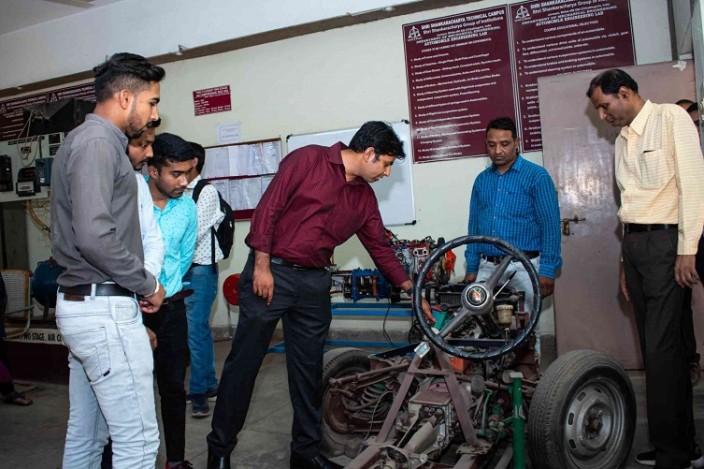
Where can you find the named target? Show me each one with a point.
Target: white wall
(340, 79)
(152, 28)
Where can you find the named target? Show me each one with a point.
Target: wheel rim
(594, 425)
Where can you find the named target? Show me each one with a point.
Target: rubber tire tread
(334, 362)
(555, 391)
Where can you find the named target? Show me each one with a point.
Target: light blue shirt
(179, 226)
(520, 207)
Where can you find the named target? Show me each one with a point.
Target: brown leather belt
(178, 296)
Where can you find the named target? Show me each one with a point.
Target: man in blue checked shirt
(178, 220)
(514, 200)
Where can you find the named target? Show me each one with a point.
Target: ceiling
(20, 14)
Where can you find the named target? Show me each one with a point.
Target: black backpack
(225, 232)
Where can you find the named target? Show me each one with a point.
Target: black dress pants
(689, 339)
(660, 307)
(170, 360)
(5, 387)
(302, 300)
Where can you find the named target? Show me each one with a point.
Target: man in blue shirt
(514, 200)
(178, 221)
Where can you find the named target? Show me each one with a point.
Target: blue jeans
(204, 283)
(111, 390)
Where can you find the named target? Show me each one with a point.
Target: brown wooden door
(578, 152)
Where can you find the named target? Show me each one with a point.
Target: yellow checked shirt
(660, 172)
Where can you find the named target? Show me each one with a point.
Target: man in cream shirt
(659, 170)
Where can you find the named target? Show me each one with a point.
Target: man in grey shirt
(95, 235)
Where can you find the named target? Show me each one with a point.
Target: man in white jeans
(96, 238)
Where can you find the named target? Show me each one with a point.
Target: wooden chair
(19, 306)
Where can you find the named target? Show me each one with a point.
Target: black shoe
(647, 458)
(216, 461)
(300, 461)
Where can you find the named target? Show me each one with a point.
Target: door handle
(565, 224)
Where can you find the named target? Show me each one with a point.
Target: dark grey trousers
(660, 307)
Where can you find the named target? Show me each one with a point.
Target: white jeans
(111, 389)
(520, 281)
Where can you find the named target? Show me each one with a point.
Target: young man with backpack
(211, 246)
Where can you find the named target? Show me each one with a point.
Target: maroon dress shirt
(309, 208)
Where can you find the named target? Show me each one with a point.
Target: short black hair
(694, 107)
(380, 136)
(169, 148)
(199, 153)
(502, 123)
(125, 71)
(611, 81)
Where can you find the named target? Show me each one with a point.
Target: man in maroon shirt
(319, 198)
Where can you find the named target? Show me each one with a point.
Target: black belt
(285, 263)
(498, 259)
(101, 289)
(638, 228)
(178, 296)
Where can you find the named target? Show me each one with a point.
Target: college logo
(522, 13)
(414, 34)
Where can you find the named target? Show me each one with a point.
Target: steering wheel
(477, 299)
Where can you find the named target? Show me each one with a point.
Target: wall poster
(564, 36)
(459, 71)
(467, 69)
(12, 121)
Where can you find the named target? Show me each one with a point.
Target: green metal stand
(518, 423)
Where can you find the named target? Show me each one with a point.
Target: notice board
(459, 72)
(394, 193)
(241, 172)
(466, 69)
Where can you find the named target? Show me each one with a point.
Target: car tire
(582, 415)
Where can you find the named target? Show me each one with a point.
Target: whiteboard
(394, 193)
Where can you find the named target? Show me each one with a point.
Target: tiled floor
(32, 437)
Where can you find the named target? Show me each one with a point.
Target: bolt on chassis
(470, 394)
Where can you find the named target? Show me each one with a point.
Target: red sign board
(459, 77)
(11, 111)
(563, 36)
(211, 100)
